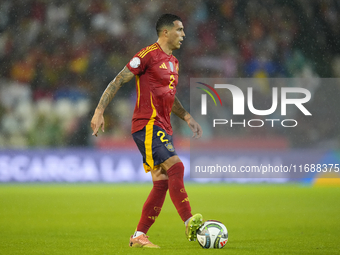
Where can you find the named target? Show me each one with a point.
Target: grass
(99, 218)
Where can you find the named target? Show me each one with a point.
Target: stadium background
(58, 56)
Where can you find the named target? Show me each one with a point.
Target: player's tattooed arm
(124, 76)
(98, 119)
(178, 109)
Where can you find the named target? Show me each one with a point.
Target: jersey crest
(171, 66)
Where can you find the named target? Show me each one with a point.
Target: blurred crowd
(57, 57)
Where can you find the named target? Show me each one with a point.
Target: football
(212, 235)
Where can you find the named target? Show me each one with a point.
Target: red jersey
(156, 80)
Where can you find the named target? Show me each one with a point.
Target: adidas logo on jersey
(163, 66)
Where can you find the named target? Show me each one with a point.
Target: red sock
(177, 191)
(153, 205)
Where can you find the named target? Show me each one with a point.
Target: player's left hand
(195, 128)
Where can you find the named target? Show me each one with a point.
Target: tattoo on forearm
(124, 76)
(178, 109)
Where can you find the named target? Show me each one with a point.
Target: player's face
(176, 35)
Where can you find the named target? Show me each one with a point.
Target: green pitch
(99, 219)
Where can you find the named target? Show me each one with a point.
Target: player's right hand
(195, 128)
(97, 122)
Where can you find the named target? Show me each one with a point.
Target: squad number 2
(162, 134)
(172, 79)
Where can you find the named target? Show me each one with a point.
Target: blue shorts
(155, 145)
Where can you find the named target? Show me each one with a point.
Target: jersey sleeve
(137, 65)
